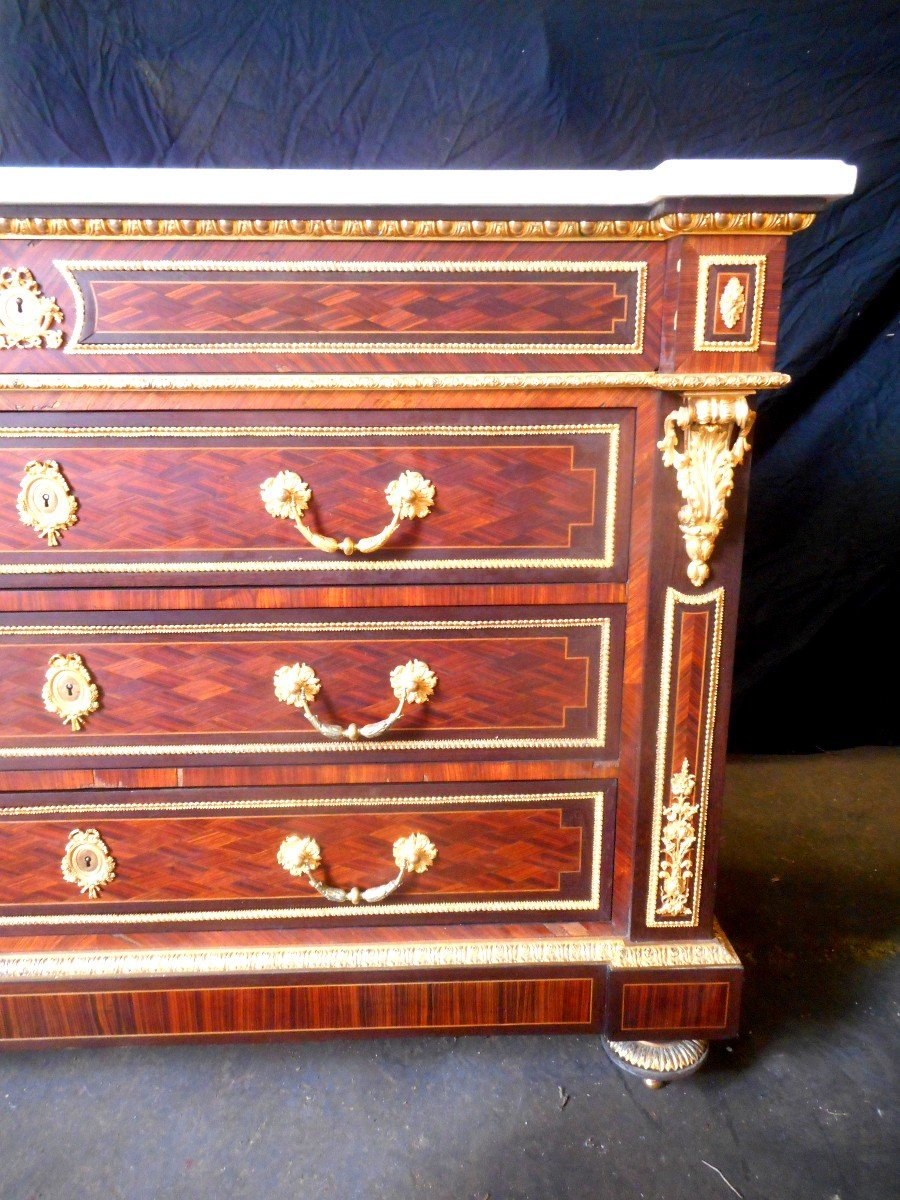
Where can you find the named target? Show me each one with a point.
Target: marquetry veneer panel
(175, 686)
(692, 647)
(705, 1003)
(535, 495)
(304, 305)
(709, 336)
(179, 858)
(509, 1002)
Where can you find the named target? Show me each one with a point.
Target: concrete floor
(801, 1107)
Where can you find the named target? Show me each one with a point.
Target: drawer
(167, 858)
(222, 306)
(173, 687)
(288, 497)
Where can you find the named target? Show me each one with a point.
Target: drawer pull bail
(287, 496)
(412, 683)
(87, 862)
(302, 855)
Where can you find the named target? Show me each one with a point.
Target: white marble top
(235, 188)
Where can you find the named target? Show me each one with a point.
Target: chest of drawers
(369, 576)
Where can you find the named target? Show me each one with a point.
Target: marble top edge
(261, 188)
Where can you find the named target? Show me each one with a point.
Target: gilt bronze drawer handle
(87, 862)
(287, 496)
(302, 855)
(412, 683)
(45, 502)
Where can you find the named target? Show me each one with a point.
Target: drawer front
(158, 858)
(176, 687)
(420, 495)
(221, 306)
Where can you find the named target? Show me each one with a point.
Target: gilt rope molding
(739, 382)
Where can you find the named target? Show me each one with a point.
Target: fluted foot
(657, 1063)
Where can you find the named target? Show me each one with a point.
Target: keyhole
(46, 499)
(70, 688)
(18, 304)
(88, 861)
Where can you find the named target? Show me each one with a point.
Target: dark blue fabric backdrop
(352, 84)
